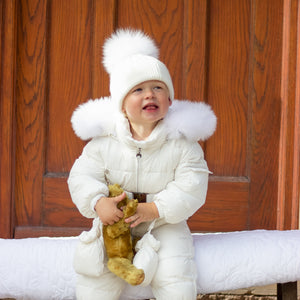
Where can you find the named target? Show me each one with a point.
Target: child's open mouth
(150, 107)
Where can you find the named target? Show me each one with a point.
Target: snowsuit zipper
(138, 158)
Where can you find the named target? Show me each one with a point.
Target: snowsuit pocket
(146, 257)
(89, 253)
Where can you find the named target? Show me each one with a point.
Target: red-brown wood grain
(104, 19)
(239, 56)
(289, 174)
(195, 50)
(70, 53)
(227, 86)
(30, 110)
(57, 211)
(7, 117)
(226, 207)
(164, 21)
(265, 105)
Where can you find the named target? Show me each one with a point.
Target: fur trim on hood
(193, 120)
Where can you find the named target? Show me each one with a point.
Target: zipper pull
(139, 154)
(138, 157)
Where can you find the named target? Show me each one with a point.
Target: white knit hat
(130, 58)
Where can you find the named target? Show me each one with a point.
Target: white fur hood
(193, 120)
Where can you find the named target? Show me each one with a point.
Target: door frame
(7, 116)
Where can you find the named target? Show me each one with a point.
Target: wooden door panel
(58, 210)
(265, 105)
(227, 88)
(30, 111)
(70, 59)
(226, 53)
(7, 117)
(226, 208)
(163, 20)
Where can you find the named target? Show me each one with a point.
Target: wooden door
(238, 56)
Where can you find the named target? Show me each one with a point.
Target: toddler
(147, 142)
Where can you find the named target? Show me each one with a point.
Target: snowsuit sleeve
(183, 196)
(87, 180)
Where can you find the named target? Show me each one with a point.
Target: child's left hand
(145, 212)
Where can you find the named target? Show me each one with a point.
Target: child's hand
(106, 209)
(145, 212)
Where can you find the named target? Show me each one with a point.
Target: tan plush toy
(118, 242)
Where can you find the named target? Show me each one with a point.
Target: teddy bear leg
(124, 269)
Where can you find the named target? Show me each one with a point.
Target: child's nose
(149, 93)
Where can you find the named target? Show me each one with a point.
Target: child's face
(147, 103)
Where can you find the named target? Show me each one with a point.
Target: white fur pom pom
(124, 43)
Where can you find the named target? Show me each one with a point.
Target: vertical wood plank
(69, 77)
(295, 223)
(284, 114)
(288, 195)
(265, 106)
(292, 180)
(162, 20)
(105, 14)
(30, 95)
(7, 105)
(227, 86)
(195, 50)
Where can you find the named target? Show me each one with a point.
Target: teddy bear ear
(124, 43)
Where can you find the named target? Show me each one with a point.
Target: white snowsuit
(169, 166)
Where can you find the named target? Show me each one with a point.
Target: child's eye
(158, 87)
(137, 90)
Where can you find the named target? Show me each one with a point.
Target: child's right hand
(107, 210)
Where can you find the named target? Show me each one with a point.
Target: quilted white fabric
(37, 268)
(41, 268)
(234, 260)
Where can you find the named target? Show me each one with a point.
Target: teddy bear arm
(130, 208)
(117, 229)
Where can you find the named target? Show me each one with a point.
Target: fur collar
(193, 120)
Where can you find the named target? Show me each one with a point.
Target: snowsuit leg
(176, 274)
(108, 286)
